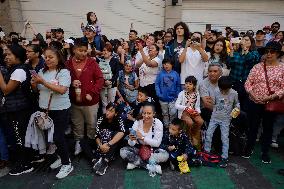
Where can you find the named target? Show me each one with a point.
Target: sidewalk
(241, 173)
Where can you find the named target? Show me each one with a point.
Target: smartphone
(208, 27)
(132, 132)
(236, 40)
(33, 72)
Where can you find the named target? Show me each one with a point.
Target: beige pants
(81, 115)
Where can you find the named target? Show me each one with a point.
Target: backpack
(208, 159)
(106, 69)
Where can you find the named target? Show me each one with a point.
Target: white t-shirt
(192, 65)
(19, 75)
(139, 56)
(148, 75)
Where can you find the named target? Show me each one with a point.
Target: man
(94, 47)
(207, 88)
(87, 82)
(132, 39)
(59, 35)
(175, 47)
(274, 29)
(260, 39)
(210, 39)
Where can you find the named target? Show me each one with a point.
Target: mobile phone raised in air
(208, 27)
(33, 72)
(236, 40)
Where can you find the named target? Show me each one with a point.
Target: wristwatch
(109, 145)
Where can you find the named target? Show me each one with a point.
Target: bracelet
(109, 145)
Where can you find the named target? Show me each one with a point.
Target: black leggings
(60, 120)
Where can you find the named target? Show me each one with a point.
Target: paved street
(240, 174)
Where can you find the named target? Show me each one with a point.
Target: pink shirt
(256, 83)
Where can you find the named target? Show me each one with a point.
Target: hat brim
(261, 51)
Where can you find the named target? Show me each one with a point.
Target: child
(167, 87)
(188, 105)
(177, 143)
(109, 131)
(225, 100)
(127, 83)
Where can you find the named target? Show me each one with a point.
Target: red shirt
(91, 79)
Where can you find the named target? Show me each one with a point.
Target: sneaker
(247, 154)
(274, 144)
(159, 169)
(172, 166)
(65, 170)
(51, 149)
(21, 169)
(78, 148)
(223, 163)
(103, 167)
(56, 164)
(265, 159)
(97, 165)
(130, 166)
(38, 159)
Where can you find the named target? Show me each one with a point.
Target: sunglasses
(271, 51)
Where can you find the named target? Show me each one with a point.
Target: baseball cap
(90, 27)
(260, 32)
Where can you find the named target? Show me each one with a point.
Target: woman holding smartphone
(147, 131)
(55, 79)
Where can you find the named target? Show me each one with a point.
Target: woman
(148, 71)
(149, 131)
(15, 105)
(160, 43)
(218, 55)
(241, 60)
(110, 130)
(93, 20)
(259, 95)
(110, 67)
(53, 83)
(193, 58)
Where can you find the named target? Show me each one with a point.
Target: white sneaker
(64, 171)
(274, 144)
(56, 164)
(130, 166)
(78, 148)
(159, 169)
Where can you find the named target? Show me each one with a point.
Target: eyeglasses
(271, 51)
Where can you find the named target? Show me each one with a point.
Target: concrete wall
(173, 14)
(114, 15)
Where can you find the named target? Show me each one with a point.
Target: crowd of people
(151, 98)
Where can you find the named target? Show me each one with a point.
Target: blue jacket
(167, 85)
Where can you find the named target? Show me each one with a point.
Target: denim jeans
(3, 146)
(225, 128)
(278, 126)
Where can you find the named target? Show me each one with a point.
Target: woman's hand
(139, 135)
(184, 157)
(187, 44)
(130, 87)
(38, 79)
(108, 82)
(140, 46)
